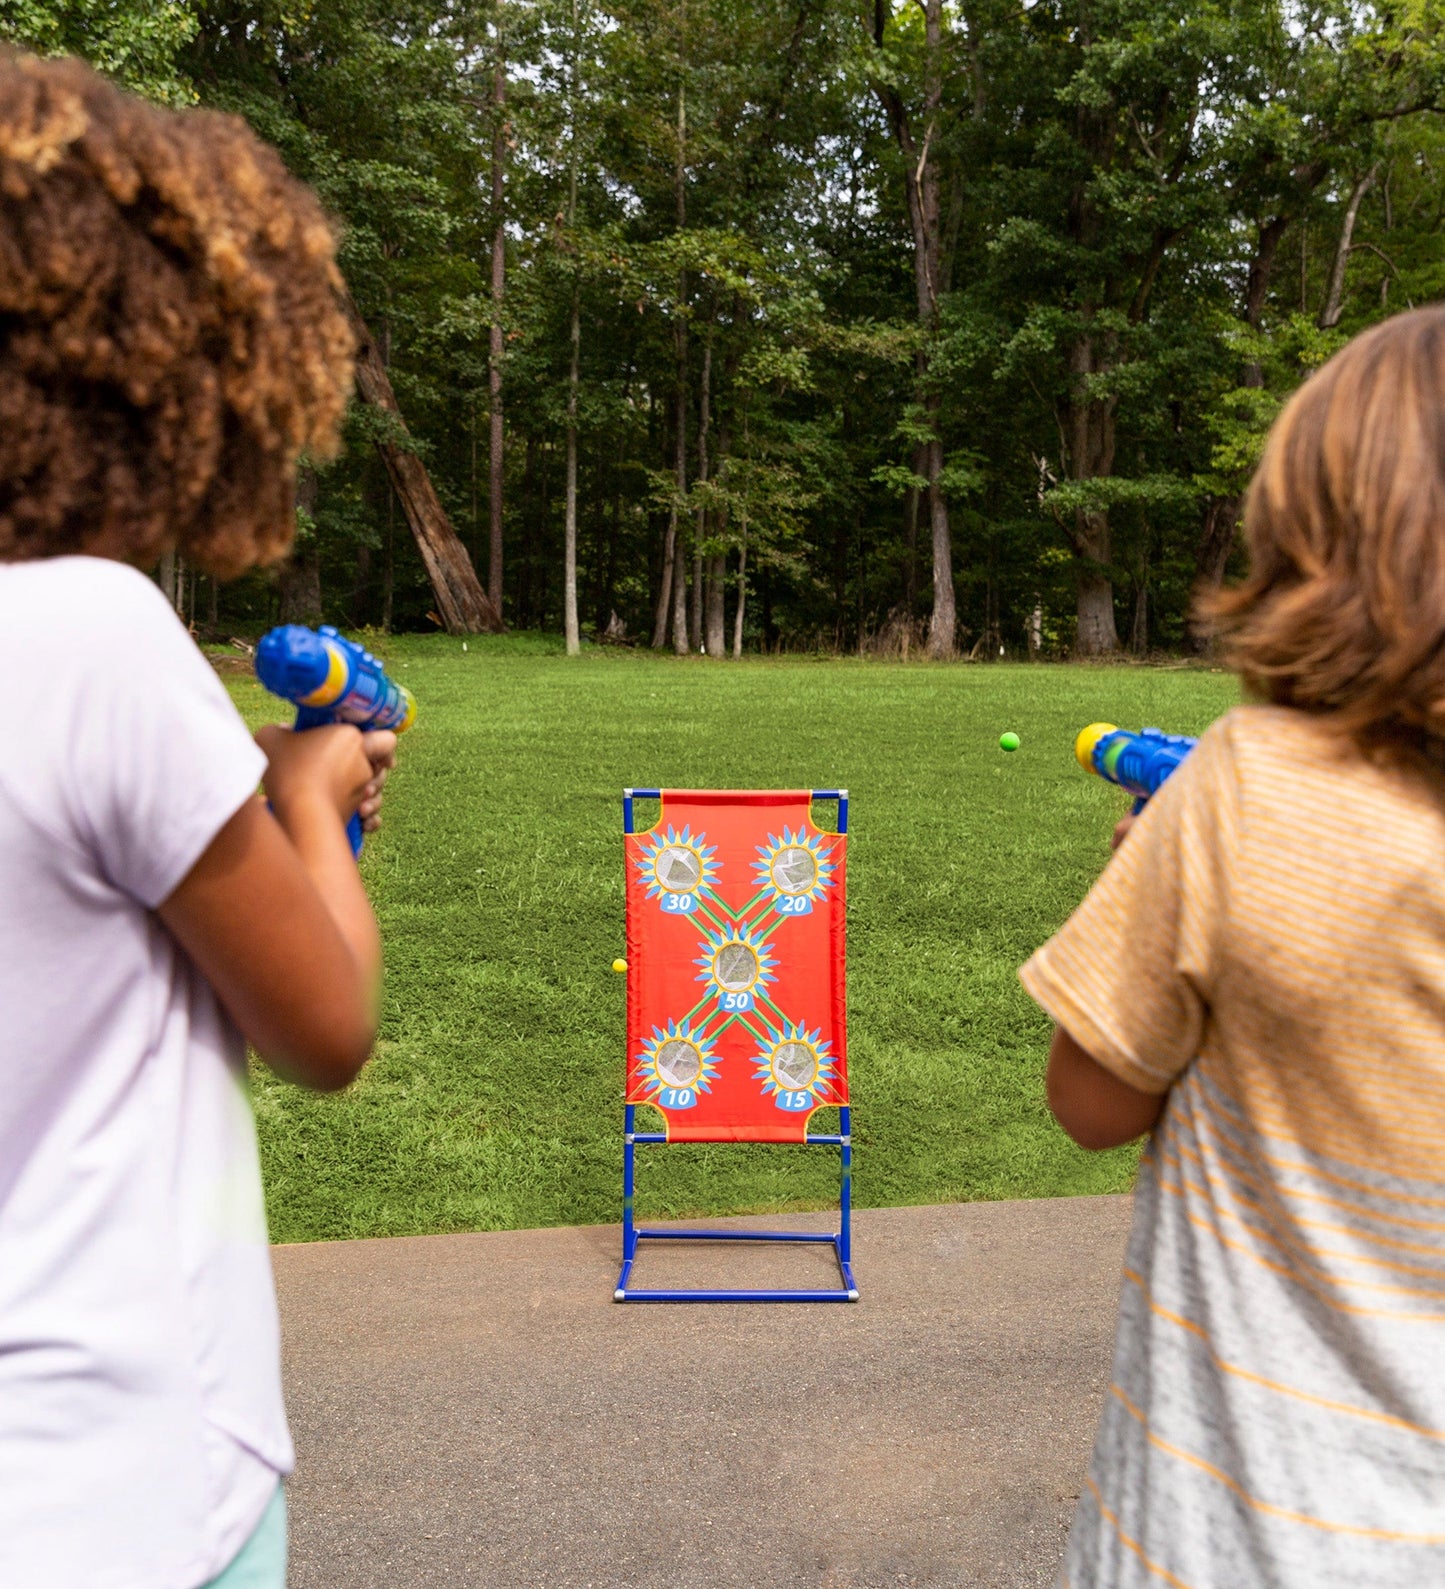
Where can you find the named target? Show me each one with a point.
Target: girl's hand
(1121, 832)
(328, 764)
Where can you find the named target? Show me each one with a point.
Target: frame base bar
(736, 1235)
(849, 1293)
(623, 1295)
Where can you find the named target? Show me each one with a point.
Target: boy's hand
(330, 763)
(1121, 831)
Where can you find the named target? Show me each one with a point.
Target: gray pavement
(477, 1411)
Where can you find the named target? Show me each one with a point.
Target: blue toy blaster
(330, 679)
(1137, 762)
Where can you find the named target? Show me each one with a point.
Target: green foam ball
(1009, 741)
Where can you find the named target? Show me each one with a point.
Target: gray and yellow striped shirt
(1270, 942)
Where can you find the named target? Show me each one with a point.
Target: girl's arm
(274, 914)
(1091, 1103)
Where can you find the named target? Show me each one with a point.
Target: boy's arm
(274, 914)
(1091, 1103)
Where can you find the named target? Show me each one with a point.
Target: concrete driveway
(477, 1411)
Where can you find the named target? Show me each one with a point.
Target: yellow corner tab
(410, 717)
(1088, 739)
(334, 687)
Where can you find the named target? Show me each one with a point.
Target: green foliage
(1139, 223)
(495, 1097)
(134, 41)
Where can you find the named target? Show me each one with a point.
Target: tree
(925, 216)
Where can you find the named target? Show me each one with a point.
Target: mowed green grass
(494, 1099)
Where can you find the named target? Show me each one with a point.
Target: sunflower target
(795, 871)
(677, 869)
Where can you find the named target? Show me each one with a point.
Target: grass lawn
(494, 1099)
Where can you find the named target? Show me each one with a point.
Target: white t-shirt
(141, 1423)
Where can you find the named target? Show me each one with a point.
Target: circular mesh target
(678, 1063)
(795, 870)
(735, 967)
(677, 869)
(795, 1065)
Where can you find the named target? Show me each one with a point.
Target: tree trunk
(1220, 531)
(679, 603)
(943, 625)
(1097, 632)
(712, 635)
(361, 579)
(574, 337)
(388, 576)
(679, 393)
(694, 597)
(463, 604)
(910, 524)
(1090, 431)
(569, 532)
(742, 589)
(679, 485)
(298, 581)
(664, 592)
(531, 510)
(495, 345)
(166, 574)
(1256, 291)
(925, 221)
(299, 586)
(1334, 305)
(614, 534)
(717, 574)
(1139, 629)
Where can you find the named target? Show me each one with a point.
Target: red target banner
(736, 997)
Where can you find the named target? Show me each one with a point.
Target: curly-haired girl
(1259, 979)
(171, 337)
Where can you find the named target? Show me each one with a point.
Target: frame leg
(629, 1181)
(841, 1243)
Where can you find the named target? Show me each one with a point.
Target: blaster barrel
(1138, 762)
(330, 679)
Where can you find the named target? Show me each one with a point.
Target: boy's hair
(171, 327)
(1343, 609)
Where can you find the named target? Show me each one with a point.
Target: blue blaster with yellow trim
(1138, 762)
(330, 679)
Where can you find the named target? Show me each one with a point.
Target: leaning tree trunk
(463, 604)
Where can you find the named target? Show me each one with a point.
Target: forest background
(781, 324)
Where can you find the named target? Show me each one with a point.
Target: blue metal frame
(841, 1241)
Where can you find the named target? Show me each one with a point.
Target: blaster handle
(319, 717)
